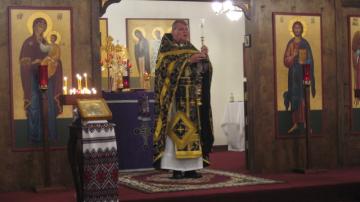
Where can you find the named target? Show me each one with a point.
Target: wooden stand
(71, 99)
(74, 147)
(47, 184)
(307, 160)
(76, 160)
(307, 127)
(46, 149)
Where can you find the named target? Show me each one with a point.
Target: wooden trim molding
(244, 6)
(220, 148)
(104, 4)
(95, 44)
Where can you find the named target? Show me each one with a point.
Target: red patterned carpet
(339, 185)
(160, 181)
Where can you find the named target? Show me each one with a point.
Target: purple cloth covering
(134, 121)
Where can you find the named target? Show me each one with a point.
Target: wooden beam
(95, 45)
(351, 3)
(103, 4)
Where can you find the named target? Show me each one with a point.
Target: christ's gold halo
(141, 30)
(36, 15)
(161, 30)
(58, 39)
(291, 23)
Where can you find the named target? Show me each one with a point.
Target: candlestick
(85, 78)
(43, 77)
(80, 78)
(93, 90)
(306, 74)
(65, 81)
(202, 30)
(65, 86)
(64, 90)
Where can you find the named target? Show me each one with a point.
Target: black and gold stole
(176, 101)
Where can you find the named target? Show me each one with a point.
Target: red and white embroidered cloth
(100, 161)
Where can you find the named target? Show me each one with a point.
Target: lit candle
(65, 85)
(65, 81)
(43, 77)
(85, 78)
(93, 91)
(202, 26)
(78, 80)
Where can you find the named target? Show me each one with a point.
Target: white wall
(223, 38)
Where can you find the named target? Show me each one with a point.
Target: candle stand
(43, 86)
(308, 167)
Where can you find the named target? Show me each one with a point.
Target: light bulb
(234, 15)
(228, 5)
(216, 6)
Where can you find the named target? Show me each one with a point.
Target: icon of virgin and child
(36, 50)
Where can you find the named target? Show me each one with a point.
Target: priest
(183, 135)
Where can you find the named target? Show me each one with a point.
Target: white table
(233, 125)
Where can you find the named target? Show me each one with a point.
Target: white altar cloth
(233, 125)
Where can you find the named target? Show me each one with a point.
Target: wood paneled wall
(349, 144)
(23, 170)
(335, 147)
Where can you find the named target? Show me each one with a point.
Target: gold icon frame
(93, 109)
